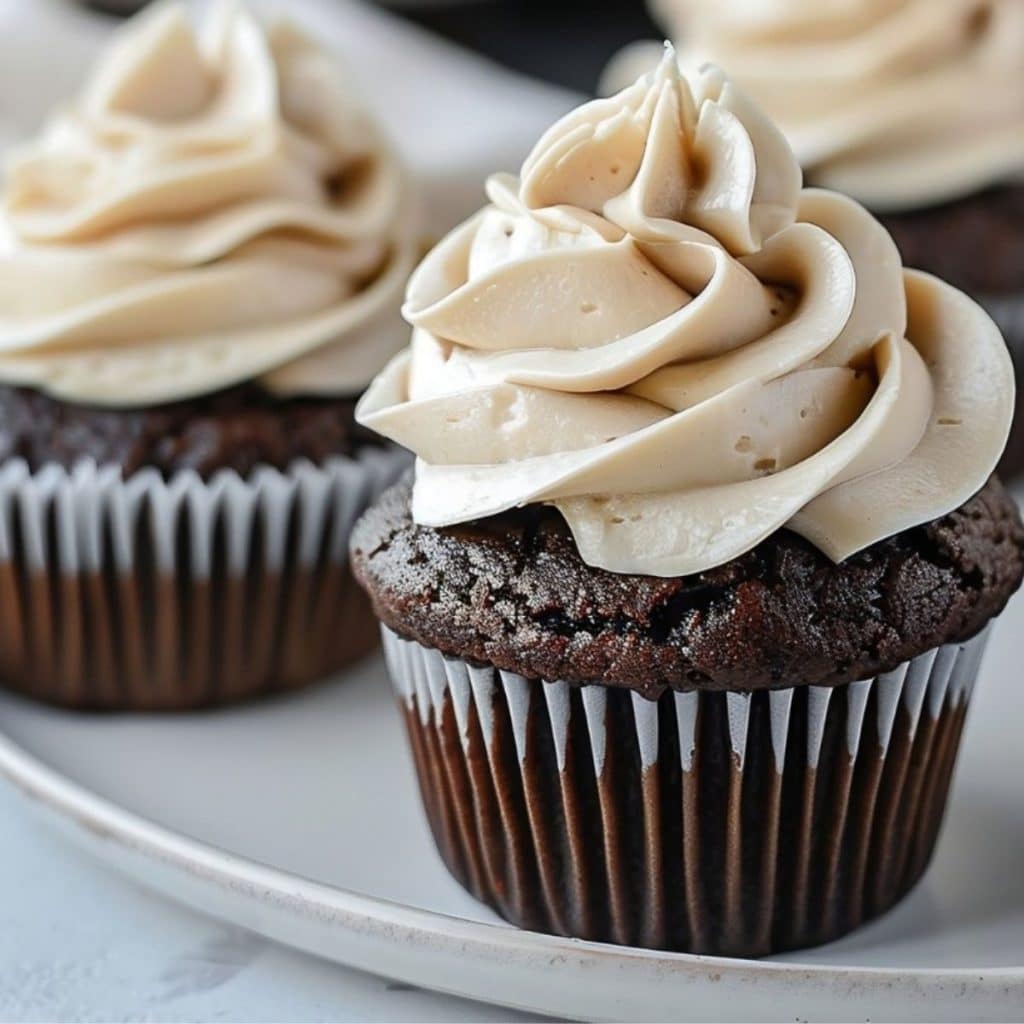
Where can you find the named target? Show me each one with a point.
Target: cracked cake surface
(512, 591)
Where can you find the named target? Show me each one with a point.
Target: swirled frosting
(657, 330)
(900, 103)
(214, 208)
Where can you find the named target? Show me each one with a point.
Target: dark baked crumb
(975, 243)
(238, 429)
(512, 591)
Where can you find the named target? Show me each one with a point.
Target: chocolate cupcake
(914, 108)
(203, 261)
(685, 604)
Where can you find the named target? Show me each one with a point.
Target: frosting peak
(214, 208)
(692, 152)
(655, 329)
(900, 103)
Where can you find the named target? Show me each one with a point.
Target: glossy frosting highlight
(657, 330)
(216, 207)
(899, 103)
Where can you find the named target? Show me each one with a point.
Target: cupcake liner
(153, 593)
(730, 823)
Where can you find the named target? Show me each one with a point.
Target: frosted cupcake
(914, 108)
(203, 256)
(686, 601)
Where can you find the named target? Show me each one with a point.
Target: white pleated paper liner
(731, 823)
(154, 593)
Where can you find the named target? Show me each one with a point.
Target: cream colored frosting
(657, 330)
(216, 207)
(899, 103)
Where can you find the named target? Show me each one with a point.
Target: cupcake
(203, 262)
(914, 108)
(686, 601)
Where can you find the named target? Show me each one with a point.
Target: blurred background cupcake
(203, 257)
(915, 108)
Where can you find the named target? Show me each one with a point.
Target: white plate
(298, 818)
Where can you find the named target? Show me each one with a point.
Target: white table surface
(79, 943)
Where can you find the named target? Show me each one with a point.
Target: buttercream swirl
(658, 331)
(900, 103)
(215, 208)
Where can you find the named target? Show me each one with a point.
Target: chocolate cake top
(512, 591)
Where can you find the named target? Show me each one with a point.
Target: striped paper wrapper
(149, 593)
(729, 823)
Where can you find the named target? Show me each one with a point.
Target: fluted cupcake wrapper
(154, 593)
(731, 823)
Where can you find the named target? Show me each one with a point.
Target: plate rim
(194, 872)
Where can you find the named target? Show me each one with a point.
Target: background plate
(298, 818)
